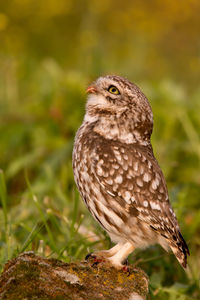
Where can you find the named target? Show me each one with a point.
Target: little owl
(117, 174)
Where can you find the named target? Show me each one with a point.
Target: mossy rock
(33, 277)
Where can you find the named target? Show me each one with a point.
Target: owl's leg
(120, 256)
(108, 253)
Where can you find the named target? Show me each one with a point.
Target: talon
(126, 269)
(95, 258)
(89, 255)
(97, 261)
(125, 262)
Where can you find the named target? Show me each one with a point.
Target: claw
(89, 255)
(126, 269)
(97, 261)
(125, 262)
(95, 264)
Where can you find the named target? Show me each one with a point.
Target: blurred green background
(49, 52)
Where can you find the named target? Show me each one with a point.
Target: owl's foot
(97, 261)
(96, 258)
(119, 259)
(116, 256)
(105, 253)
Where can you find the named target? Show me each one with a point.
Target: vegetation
(50, 51)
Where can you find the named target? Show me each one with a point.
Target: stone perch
(29, 276)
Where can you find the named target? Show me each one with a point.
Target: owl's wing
(134, 183)
(134, 186)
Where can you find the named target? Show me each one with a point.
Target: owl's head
(113, 95)
(115, 98)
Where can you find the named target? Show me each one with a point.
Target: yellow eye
(113, 90)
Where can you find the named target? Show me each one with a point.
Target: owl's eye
(113, 90)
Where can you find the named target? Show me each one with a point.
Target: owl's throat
(121, 129)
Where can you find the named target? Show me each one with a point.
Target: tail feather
(184, 243)
(180, 249)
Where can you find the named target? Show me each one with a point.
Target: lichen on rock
(33, 277)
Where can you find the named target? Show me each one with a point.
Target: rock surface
(33, 277)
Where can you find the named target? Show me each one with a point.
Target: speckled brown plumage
(117, 174)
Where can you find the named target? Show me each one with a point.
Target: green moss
(34, 277)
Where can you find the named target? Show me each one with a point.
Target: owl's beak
(91, 90)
